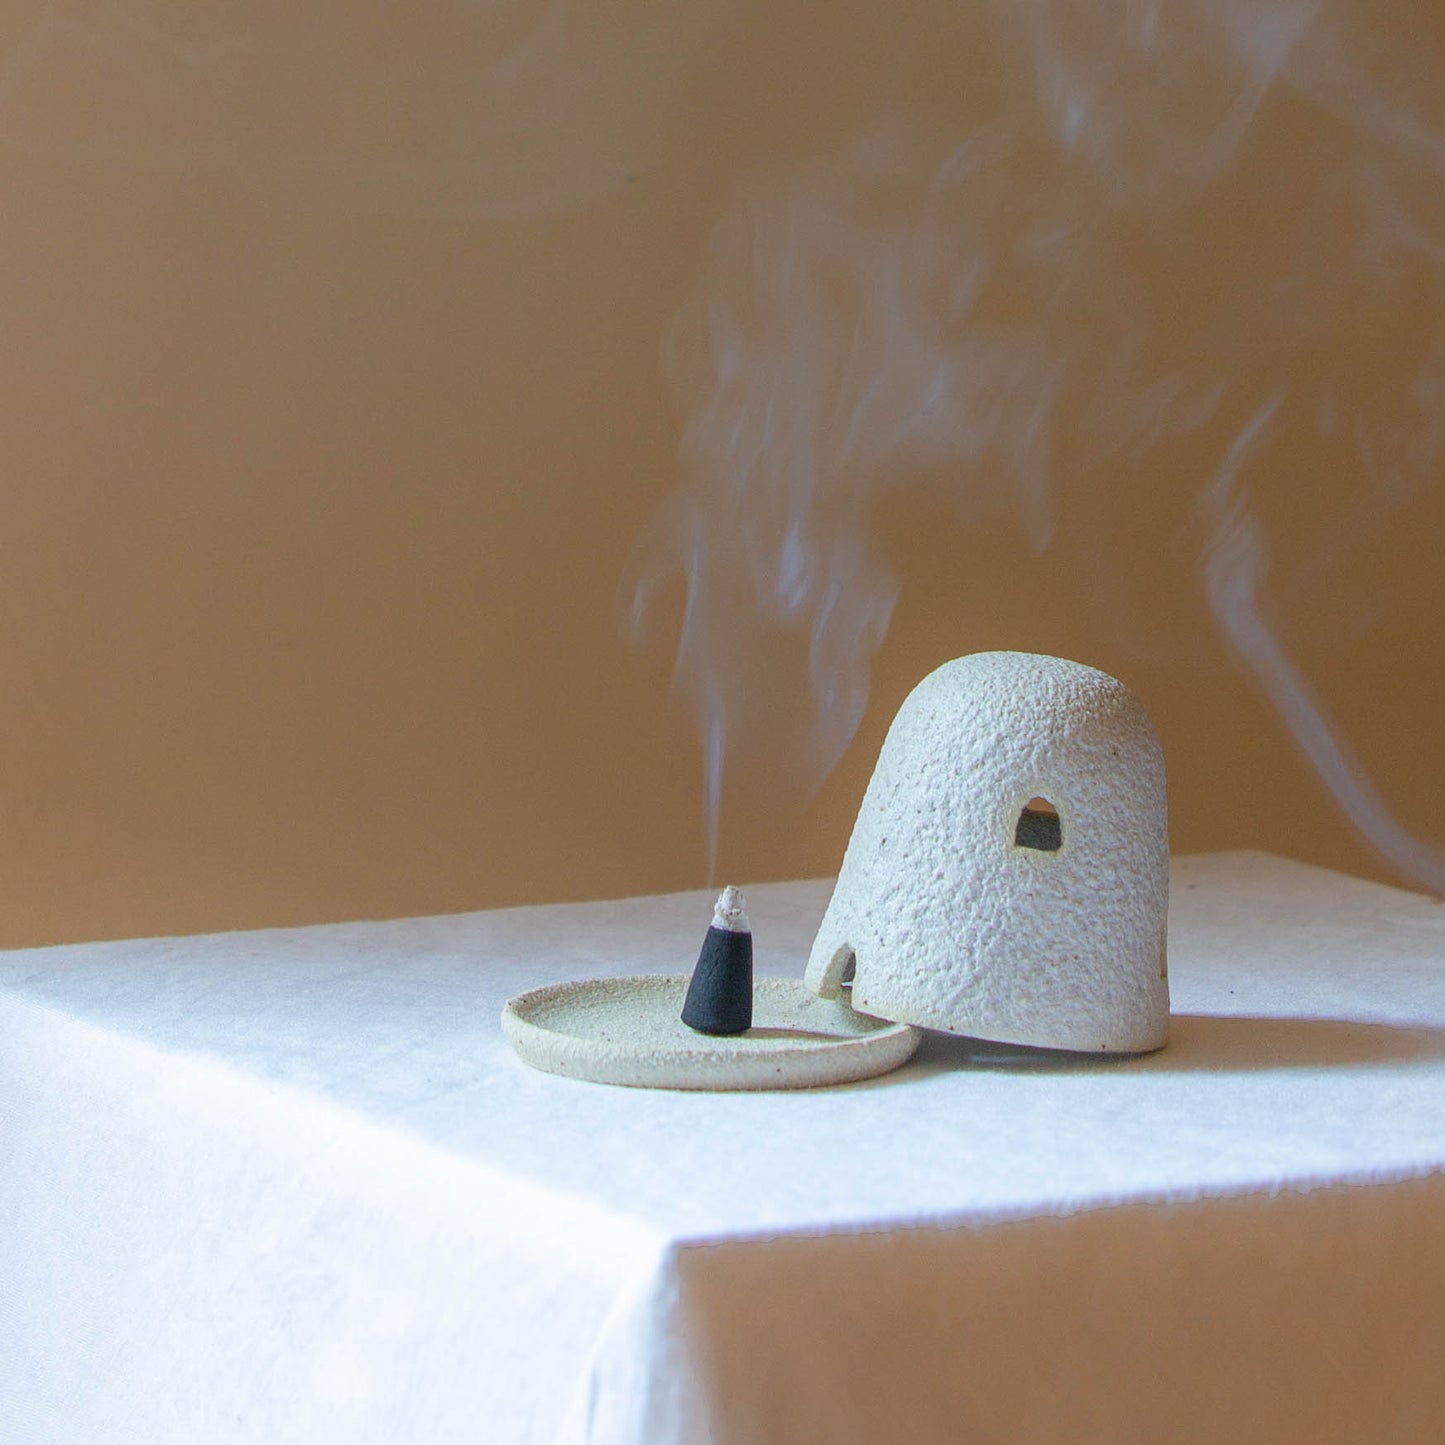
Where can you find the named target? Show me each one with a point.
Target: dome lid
(1008, 873)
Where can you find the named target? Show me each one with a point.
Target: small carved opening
(837, 979)
(1038, 827)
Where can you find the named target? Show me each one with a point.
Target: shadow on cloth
(1206, 1043)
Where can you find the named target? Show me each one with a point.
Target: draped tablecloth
(292, 1186)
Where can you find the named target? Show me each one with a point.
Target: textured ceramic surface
(628, 1031)
(948, 921)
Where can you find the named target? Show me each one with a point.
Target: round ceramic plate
(628, 1031)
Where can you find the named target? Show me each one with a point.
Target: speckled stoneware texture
(948, 922)
(628, 1031)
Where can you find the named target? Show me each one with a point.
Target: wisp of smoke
(968, 312)
(1234, 565)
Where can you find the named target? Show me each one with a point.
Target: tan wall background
(335, 410)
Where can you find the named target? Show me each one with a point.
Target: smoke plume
(1016, 314)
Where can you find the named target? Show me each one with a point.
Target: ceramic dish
(628, 1031)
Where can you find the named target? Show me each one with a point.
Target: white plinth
(294, 1187)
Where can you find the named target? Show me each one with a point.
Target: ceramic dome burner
(1007, 879)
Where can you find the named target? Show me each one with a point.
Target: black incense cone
(720, 996)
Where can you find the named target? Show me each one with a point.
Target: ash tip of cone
(731, 912)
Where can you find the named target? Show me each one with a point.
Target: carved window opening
(1038, 827)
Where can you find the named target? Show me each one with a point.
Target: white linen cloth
(292, 1186)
